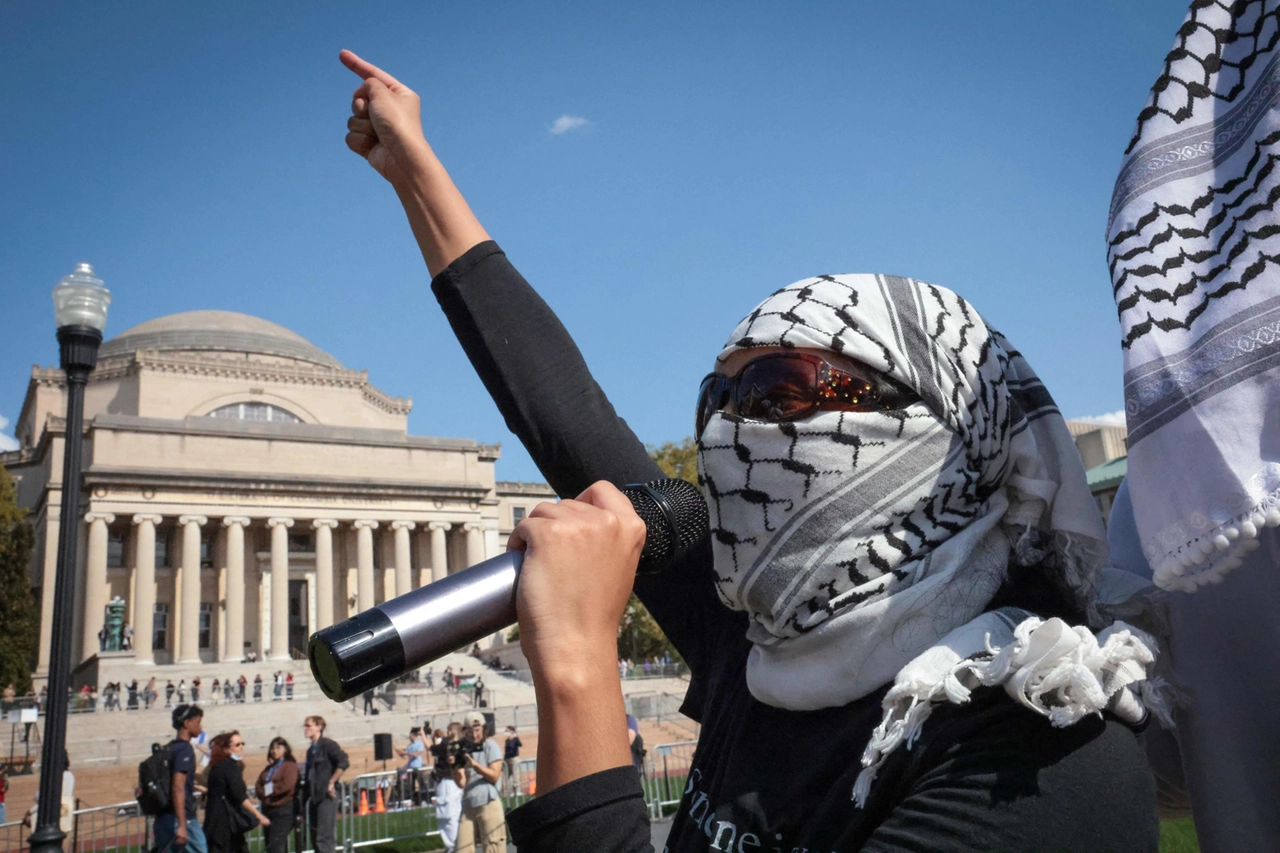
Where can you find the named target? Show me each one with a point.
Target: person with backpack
(166, 786)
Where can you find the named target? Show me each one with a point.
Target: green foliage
(677, 459)
(19, 620)
(1178, 836)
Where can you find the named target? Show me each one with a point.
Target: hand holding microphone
(579, 567)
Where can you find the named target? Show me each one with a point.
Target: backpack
(155, 781)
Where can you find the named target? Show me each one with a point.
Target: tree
(19, 620)
(639, 637)
(677, 459)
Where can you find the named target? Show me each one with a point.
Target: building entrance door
(299, 632)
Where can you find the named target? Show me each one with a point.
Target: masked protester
(895, 632)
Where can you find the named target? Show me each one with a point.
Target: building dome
(219, 331)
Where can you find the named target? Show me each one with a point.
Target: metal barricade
(666, 771)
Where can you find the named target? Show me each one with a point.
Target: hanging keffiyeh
(1193, 247)
(866, 546)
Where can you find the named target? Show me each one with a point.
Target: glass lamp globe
(81, 300)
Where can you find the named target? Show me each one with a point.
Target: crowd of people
(131, 696)
(459, 769)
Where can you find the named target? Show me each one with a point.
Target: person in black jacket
(227, 799)
(325, 763)
(839, 645)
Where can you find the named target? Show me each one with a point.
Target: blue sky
(707, 155)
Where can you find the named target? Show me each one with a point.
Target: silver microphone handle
(456, 611)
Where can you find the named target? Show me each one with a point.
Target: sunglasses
(789, 386)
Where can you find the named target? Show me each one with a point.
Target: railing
(373, 808)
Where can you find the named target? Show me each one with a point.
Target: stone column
(189, 639)
(235, 524)
(324, 571)
(404, 571)
(46, 595)
(95, 581)
(144, 587)
(439, 550)
(475, 542)
(279, 587)
(364, 564)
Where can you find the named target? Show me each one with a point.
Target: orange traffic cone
(378, 806)
(364, 802)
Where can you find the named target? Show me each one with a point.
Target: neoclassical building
(242, 489)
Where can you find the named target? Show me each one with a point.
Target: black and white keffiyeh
(1193, 246)
(866, 546)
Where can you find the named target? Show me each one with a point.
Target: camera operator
(483, 825)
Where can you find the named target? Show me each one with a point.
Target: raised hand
(385, 127)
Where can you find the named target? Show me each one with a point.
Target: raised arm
(386, 129)
(525, 357)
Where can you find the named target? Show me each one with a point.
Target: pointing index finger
(368, 70)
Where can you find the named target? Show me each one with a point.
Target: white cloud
(7, 442)
(1109, 419)
(566, 123)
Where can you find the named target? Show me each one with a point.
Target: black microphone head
(675, 517)
(356, 655)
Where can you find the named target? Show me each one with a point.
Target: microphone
(410, 631)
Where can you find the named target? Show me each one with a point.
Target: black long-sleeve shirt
(986, 776)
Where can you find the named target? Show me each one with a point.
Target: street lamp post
(80, 309)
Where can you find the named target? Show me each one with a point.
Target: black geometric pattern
(1217, 45)
(783, 497)
(1173, 255)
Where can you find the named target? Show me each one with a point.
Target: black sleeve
(337, 758)
(535, 373)
(602, 812)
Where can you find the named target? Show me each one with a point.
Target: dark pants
(281, 818)
(323, 815)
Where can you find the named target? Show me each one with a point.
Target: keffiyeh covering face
(865, 546)
(1193, 247)
(855, 540)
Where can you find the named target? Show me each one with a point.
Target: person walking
(511, 758)
(446, 680)
(276, 786)
(325, 763)
(483, 825)
(368, 702)
(430, 679)
(229, 813)
(177, 827)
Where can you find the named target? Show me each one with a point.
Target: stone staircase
(125, 737)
